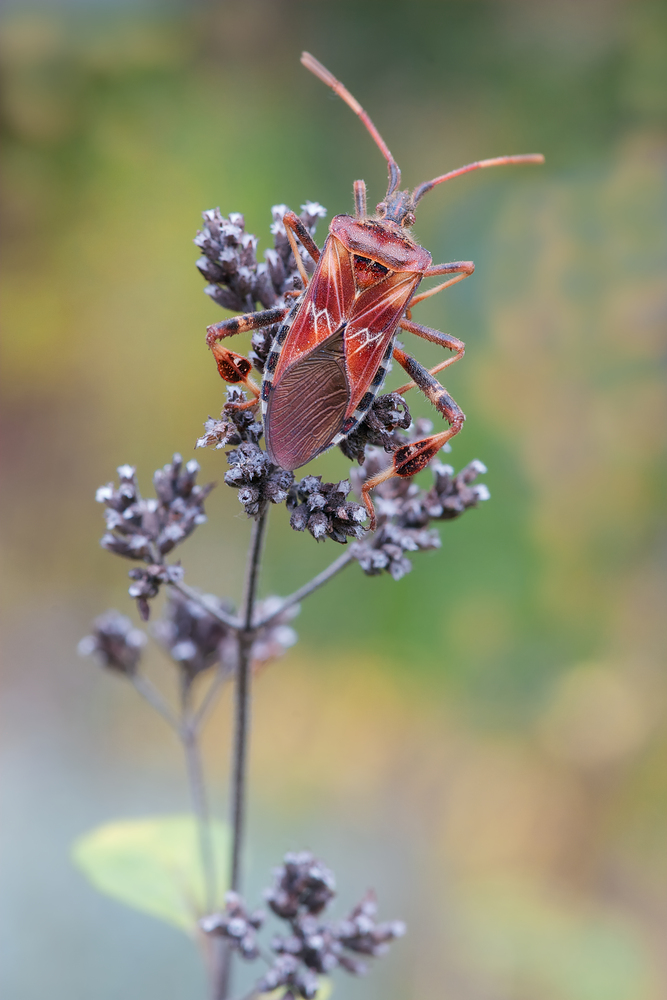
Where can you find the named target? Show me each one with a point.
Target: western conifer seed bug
(330, 356)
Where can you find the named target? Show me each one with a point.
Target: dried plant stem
(246, 636)
(318, 581)
(215, 612)
(242, 706)
(190, 740)
(211, 696)
(151, 695)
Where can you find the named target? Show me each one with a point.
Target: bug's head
(399, 207)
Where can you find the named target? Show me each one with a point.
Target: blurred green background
(485, 741)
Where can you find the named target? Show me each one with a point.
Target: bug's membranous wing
(308, 408)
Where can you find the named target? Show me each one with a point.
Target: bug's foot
(235, 368)
(406, 462)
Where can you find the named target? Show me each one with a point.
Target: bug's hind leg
(411, 458)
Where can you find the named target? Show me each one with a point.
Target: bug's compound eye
(381, 209)
(408, 220)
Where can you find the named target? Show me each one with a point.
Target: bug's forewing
(372, 323)
(310, 392)
(325, 306)
(331, 353)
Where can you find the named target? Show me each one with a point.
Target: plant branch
(218, 613)
(188, 734)
(318, 581)
(150, 693)
(242, 707)
(199, 717)
(246, 635)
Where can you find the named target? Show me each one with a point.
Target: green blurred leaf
(152, 865)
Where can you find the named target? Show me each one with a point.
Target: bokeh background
(485, 741)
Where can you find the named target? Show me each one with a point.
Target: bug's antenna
(311, 63)
(497, 161)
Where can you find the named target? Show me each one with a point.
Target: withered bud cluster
(405, 510)
(147, 583)
(148, 528)
(236, 925)
(380, 427)
(323, 508)
(194, 638)
(256, 478)
(115, 643)
(303, 888)
(229, 263)
(140, 528)
(251, 472)
(234, 426)
(302, 884)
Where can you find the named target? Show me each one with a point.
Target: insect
(337, 337)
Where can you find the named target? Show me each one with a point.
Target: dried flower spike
(236, 925)
(115, 642)
(193, 637)
(146, 529)
(323, 508)
(302, 885)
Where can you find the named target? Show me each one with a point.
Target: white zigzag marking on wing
(317, 315)
(366, 337)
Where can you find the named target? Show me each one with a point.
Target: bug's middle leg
(460, 268)
(412, 458)
(435, 337)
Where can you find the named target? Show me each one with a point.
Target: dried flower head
(229, 263)
(234, 426)
(360, 933)
(405, 510)
(148, 528)
(193, 637)
(237, 925)
(387, 415)
(323, 508)
(302, 884)
(147, 583)
(303, 888)
(115, 642)
(288, 971)
(256, 478)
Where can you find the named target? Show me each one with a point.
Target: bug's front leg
(294, 227)
(233, 367)
(241, 324)
(412, 458)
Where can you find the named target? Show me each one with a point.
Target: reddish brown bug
(330, 356)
